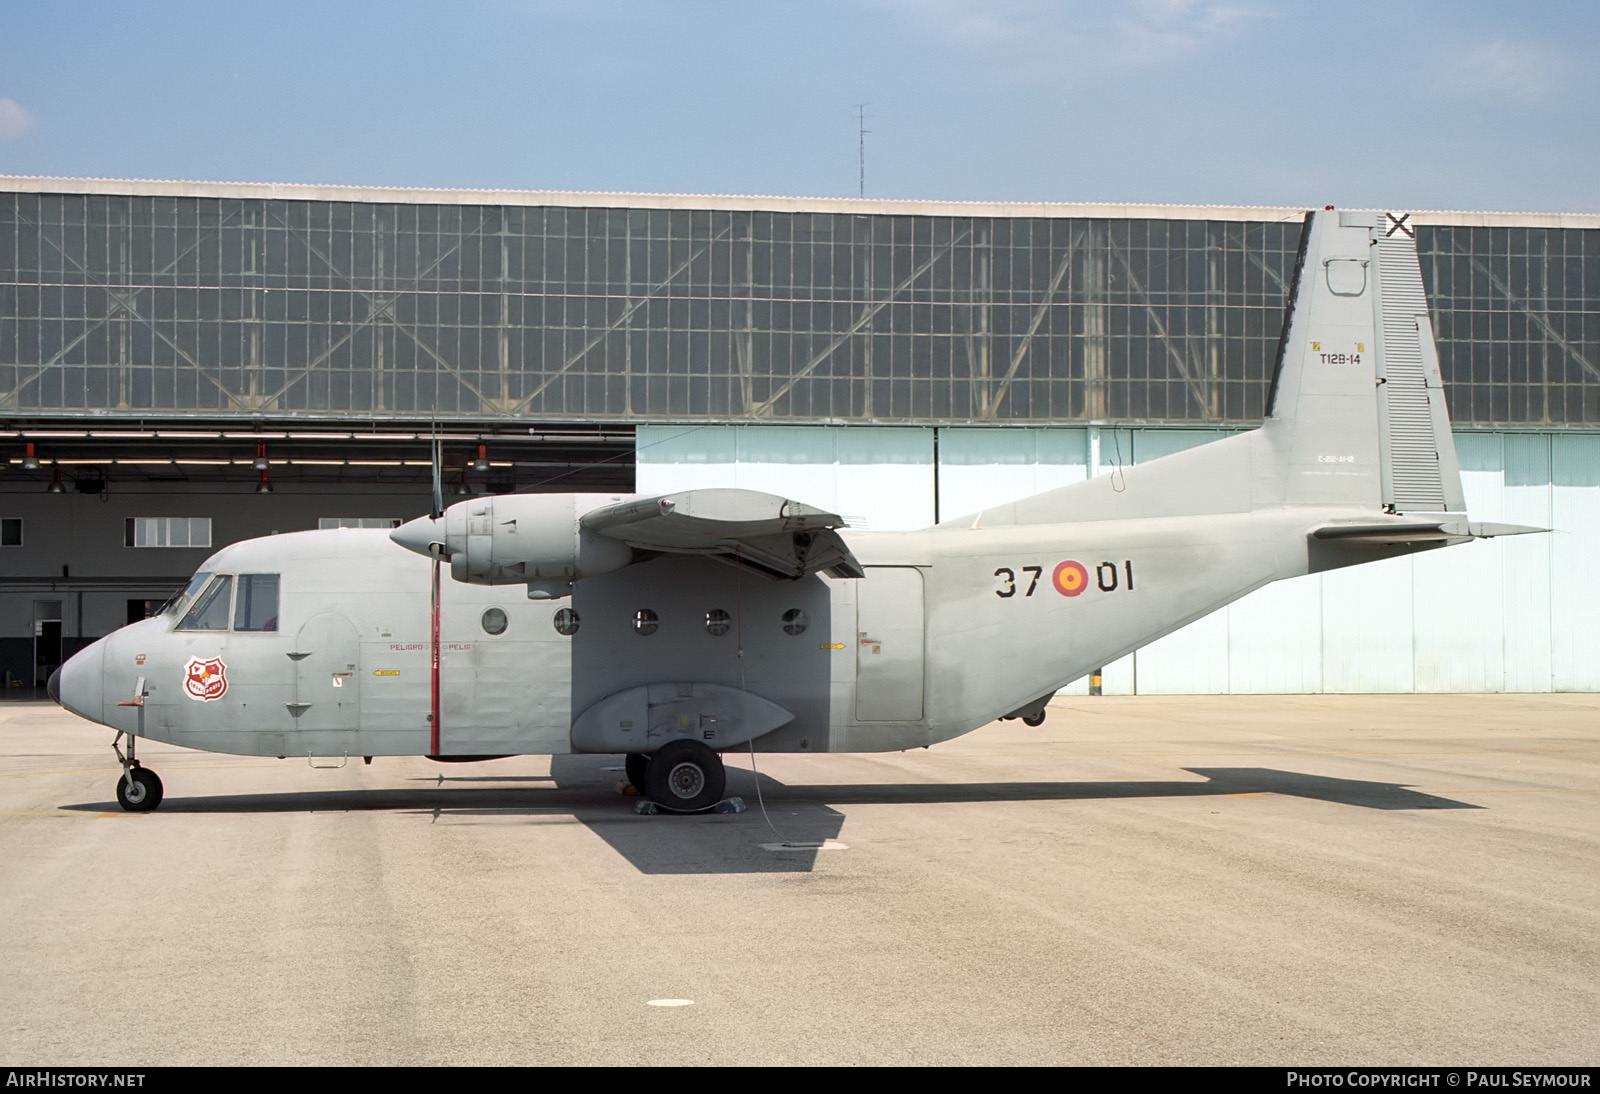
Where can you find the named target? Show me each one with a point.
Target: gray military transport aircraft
(673, 628)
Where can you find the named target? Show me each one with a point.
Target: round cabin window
(566, 622)
(717, 622)
(494, 621)
(795, 621)
(645, 621)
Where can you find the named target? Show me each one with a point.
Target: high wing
(784, 538)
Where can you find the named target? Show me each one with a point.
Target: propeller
(426, 536)
(437, 551)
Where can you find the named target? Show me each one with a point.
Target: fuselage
(951, 628)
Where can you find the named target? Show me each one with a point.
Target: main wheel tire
(635, 766)
(1035, 720)
(685, 776)
(142, 794)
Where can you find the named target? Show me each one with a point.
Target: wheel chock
(648, 808)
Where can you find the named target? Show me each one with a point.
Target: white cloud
(14, 121)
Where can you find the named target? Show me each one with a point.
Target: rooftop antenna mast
(861, 136)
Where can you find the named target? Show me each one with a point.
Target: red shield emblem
(205, 680)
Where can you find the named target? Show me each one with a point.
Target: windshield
(210, 611)
(173, 606)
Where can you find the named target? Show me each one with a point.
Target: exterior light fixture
(55, 486)
(482, 462)
(265, 485)
(30, 462)
(260, 463)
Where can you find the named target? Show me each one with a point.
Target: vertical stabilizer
(1358, 414)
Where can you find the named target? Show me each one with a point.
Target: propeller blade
(438, 473)
(433, 716)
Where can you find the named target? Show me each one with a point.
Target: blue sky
(1438, 105)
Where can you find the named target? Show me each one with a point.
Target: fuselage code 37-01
(1070, 578)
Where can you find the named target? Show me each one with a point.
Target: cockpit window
(257, 609)
(210, 611)
(196, 583)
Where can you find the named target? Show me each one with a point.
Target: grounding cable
(738, 622)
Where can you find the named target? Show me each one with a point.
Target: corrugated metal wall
(1514, 614)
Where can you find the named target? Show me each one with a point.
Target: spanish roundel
(1070, 578)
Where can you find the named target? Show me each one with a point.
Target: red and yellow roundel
(1070, 578)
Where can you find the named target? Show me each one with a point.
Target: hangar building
(187, 364)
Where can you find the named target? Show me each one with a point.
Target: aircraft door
(889, 645)
(327, 656)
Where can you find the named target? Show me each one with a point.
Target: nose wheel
(139, 790)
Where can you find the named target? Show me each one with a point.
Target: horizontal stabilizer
(1415, 531)
(782, 537)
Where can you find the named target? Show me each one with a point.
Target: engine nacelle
(529, 538)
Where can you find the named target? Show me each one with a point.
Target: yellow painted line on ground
(164, 767)
(1262, 753)
(1535, 790)
(59, 813)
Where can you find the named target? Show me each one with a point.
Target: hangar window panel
(358, 522)
(167, 532)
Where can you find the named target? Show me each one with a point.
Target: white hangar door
(889, 645)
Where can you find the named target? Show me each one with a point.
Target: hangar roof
(405, 195)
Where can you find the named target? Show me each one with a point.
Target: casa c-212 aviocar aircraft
(673, 628)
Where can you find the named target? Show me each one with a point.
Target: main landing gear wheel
(685, 776)
(139, 791)
(1033, 719)
(634, 767)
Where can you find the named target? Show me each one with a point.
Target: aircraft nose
(79, 685)
(52, 687)
(425, 536)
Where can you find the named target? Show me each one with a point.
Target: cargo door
(889, 645)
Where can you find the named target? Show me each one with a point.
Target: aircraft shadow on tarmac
(582, 790)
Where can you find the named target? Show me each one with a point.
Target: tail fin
(1356, 415)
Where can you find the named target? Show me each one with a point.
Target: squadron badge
(205, 680)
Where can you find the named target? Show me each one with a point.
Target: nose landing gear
(139, 790)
